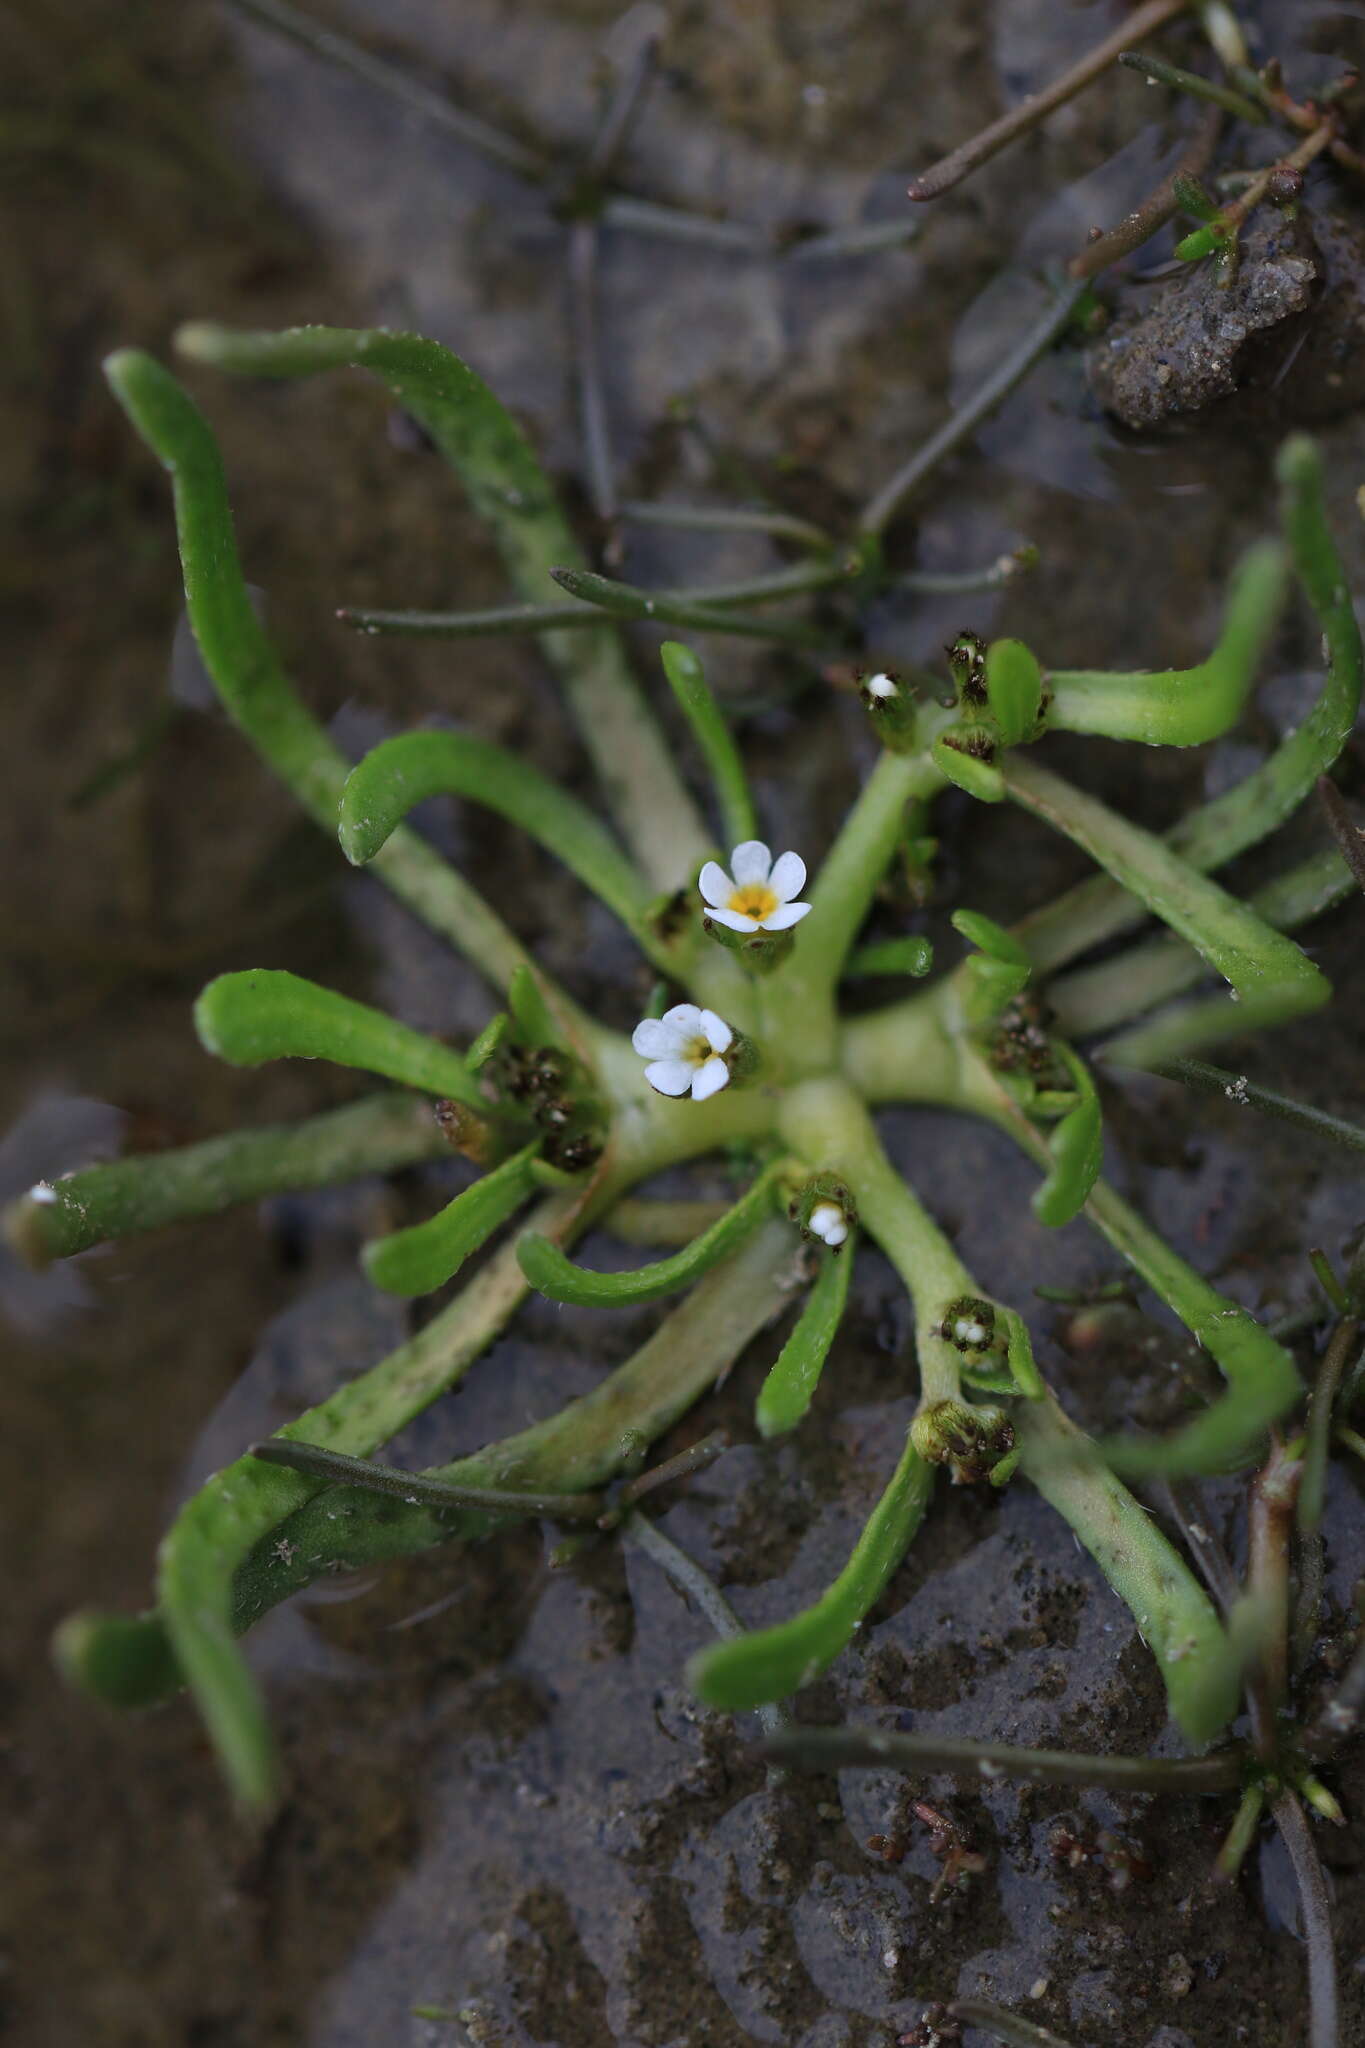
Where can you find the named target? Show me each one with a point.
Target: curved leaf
(419, 1260)
(267, 1013)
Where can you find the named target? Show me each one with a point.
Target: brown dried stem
(1162, 205)
(969, 156)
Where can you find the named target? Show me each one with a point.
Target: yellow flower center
(697, 1051)
(754, 900)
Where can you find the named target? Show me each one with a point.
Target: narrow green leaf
(1027, 1379)
(1201, 242)
(508, 488)
(789, 1388)
(1172, 1611)
(1217, 831)
(688, 681)
(1076, 1145)
(769, 1663)
(246, 671)
(554, 1275)
(990, 938)
(1263, 1381)
(403, 772)
(419, 1260)
(972, 772)
(1184, 707)
(269, 1014)
(129, 1196)
(1014, 689)
(914, 957)
(1246, 951)
(530, 1013)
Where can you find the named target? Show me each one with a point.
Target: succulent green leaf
(129, 1196)
(530, 1012)
(789, 1388)
(1014, 690)
(1184, 707)
(954, 759)
(246, 671)
(688, 681)
(551, 1273)
(1263, 1381)
(419, 1260)
(1252, 808)
(1171, 1609)
(1076, 1145)
(769, 1663)
(509, 490)
(1255, 959)
(914, 956)
(1027, 1379)
(269, 1014)
(403, 772)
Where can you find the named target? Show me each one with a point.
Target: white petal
(715, 1031)
(655, 1040)
(785, 915)
(827, 1218)
(881, 686)
(715, 884)
(788, 877)
(670, 1077)
(685, 1020)
(734, 920)
(708, 1079)
(750, 862)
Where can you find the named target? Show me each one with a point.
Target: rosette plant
(746, 1053)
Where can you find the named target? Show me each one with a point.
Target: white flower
(684, 1047)
(827, 1220)
(881, 686)
(757, 894)
(970, 1332)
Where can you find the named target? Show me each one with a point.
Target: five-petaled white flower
(827, 1220)
(756, 896)
(684, 1047)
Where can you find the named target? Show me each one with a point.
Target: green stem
(1158, 72)
(247, 674)
(130, 1196)
(1173, 1613)
(842, 894)
(508, 489)
(825, 1121)
(1240, 1089)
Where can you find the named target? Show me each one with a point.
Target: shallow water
(501, 1799)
